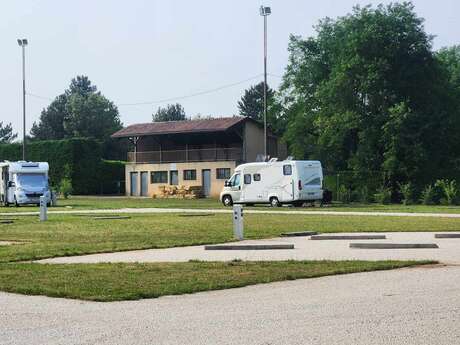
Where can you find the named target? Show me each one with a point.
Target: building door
(133, 178)
(206, 181)
(173, 178)
(144, 183)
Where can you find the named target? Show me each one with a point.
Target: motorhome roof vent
(289, 158)
(274, 159)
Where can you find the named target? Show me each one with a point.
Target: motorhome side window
(247, 178)
(256, 177)
(287, 170)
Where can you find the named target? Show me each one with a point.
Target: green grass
(92, 203)
(65, 235)
(115, 282)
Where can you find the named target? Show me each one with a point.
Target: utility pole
(23, 43)
(264, 12)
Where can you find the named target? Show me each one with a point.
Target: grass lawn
(95, 202)
(64, 235)
(114, 282)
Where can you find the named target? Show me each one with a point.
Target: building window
(159, 177)
(247, 178)
(287, 170)
(189, 175)
(256, 177)
(222, 173)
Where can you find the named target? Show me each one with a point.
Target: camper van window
(256, 177)
(314, 182)
(287, 170)
(247, 178)
(159, 177)
(236, 180)
(32, 180)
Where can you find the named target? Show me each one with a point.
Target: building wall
(153, 188)
(254, 141)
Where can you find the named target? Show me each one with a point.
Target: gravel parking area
(305, 249)
(409, 306)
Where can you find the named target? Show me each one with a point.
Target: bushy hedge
(80, 160)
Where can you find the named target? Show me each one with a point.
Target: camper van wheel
(227, 200)
(274, 202)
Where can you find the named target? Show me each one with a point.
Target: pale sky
(142, 51)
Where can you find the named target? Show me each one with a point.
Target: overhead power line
(177, 98)
(193, 94)
(38, 96)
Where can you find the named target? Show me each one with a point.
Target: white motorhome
(275, 182)
(24, 183)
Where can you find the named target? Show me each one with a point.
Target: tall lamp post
(264, 12)
(23, 43)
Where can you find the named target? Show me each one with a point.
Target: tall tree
(172, 112)
(6, 133)
(252, 102)
(368, 94)
(81, 111)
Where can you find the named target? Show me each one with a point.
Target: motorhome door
(287, 183)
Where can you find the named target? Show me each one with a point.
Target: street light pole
(23, 43)
(264, 12)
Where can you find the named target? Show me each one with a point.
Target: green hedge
(80, 159)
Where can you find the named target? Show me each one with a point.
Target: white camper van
(275, 182)
(23, 182)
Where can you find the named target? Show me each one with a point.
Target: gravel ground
(408, 306)
(305, 249)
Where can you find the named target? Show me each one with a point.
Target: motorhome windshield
(32, 180)
(235, 180)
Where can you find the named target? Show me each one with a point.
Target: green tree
(6, 133)
(81, 111)
(450, 60)
(172, 112)
(252, 102)
(369, 94)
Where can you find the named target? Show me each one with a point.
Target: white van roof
(28, 167)
(310, 163)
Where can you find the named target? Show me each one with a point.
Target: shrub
(407, 192)
(65, 187)
(383, 195)
(449, 190)
(428, 195)
(344, 194)
(363, 195)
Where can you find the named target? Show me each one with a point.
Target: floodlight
(265, 11)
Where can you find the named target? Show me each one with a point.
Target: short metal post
(238, 226)
(43, 209)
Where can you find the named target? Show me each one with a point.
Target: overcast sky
(144, 51)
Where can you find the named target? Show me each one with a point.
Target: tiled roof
(174, 127)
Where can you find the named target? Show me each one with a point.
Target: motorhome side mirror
(11, 184)
(228, 184)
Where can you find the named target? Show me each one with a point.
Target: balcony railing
(189, 155)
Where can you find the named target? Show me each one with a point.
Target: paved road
(267, 211)
(410, 306)
(305, 249)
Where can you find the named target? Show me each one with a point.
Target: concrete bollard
(238, 226)
(43, 209)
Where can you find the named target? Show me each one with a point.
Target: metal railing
(188, 155)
